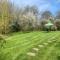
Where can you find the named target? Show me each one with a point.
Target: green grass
(19, 44)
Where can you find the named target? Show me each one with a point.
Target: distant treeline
(28, 18)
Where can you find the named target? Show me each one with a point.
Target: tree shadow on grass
(58, 57)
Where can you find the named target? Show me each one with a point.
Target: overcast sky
(52, 5)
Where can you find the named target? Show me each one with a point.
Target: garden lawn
(19, 44)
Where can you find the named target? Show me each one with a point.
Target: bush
(15, 27)
(57, 23)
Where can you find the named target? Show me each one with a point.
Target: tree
(48, 26)
(7, 16)
(58, 15)
(57, 23)
(46, 15)
(4, 16)
(42, 23)
(28, 18)
(33, 9)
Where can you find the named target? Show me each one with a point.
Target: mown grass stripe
(22, 47)
(41, 40)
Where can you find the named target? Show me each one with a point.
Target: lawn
(20, 46)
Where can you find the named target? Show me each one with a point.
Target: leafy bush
(15, 27)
